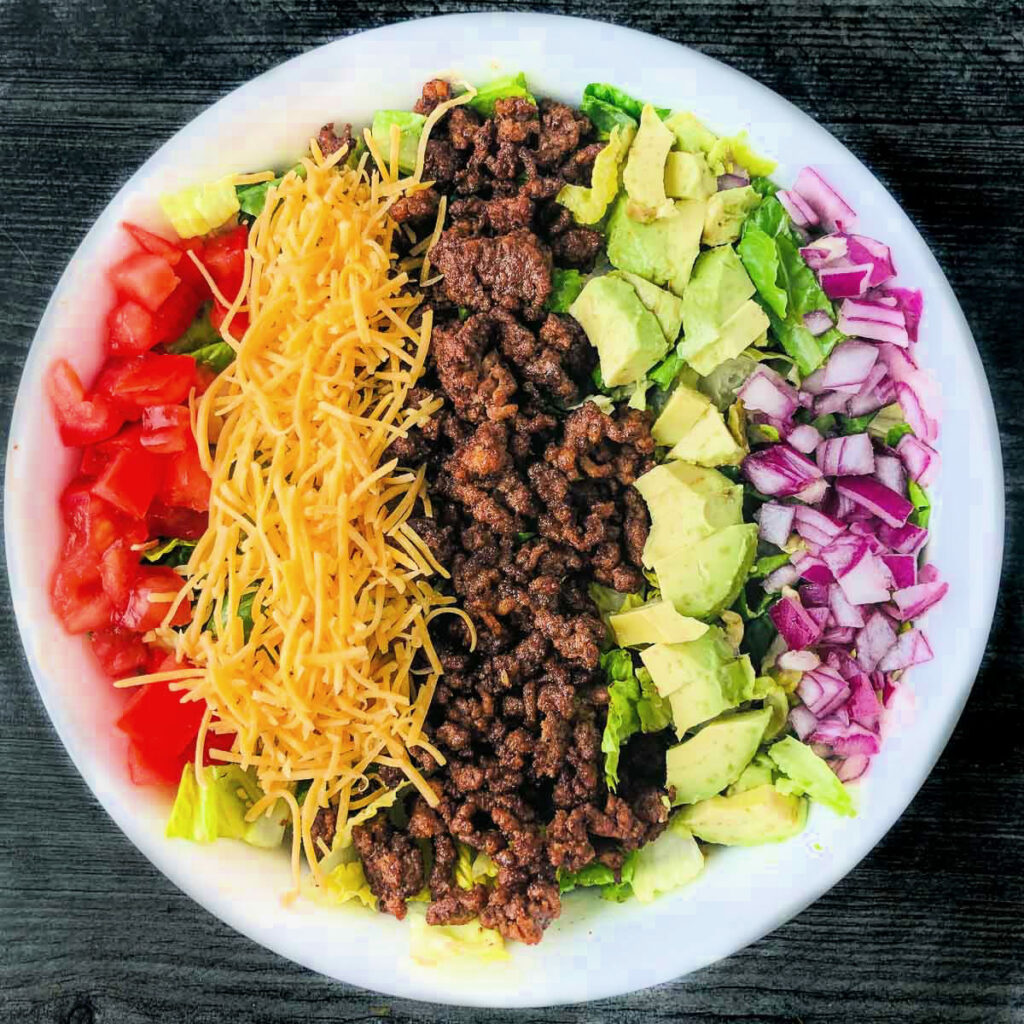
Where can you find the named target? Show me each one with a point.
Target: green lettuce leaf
(252, 198)
(615, 97)
(346, 882)
(855, 424)
(215, 808)
(198, 334)
(672, 860)
(432, 945)
(665, 373)
(760, 256)
(763, 186)
(653, 710)
(598, 875)
(565, 286)
(473, 867)
(893, 434)
(922, 505)
(509, 85)
(410, 126)
(218, 356)
(171, 551)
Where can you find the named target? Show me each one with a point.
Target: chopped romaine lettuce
(501, 88)
(218, 356)
(198, 334)
(922, 505)
(665, 373)
(434, 944)
(198, 209)
(410, 127)
(615, 97)
(346, 882)
(672, 860)
(763, 186)
(808, 773)
(473, 867)
(598, 875)
(252, 198)
(653, 710)
(565, 286)
(760, 256)
(172, 552)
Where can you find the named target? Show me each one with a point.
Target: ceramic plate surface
(595, 949)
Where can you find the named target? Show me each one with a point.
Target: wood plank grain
(930, 927)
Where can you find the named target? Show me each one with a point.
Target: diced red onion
(801, 213)
(903, 569)
(817, 527)
(882, 501)
(775, 522)
(784, 576)
(818, 321)
(820, 615)
(798, 661)
(872, 309)
(823, 690)
(795, 625)
(812, 569)
(911, 302)
(867, 250)
(766, 391)
(928, 573)
(834, 211)
(839, 635)
(780, 471)
(874, 641)
(851, 768)
(920, 421)
(877, 330)
(851, 455)
(900, 363)
(846, 740)
(814, 383)
(845, 282)
(849, 366)
(844, 613)
(904, 540)
(921, 460)
(864, 579)
(815, 593)
(889, 471)
(802, 720)
(863, 704)
(911, 648)
(915, 600)
(831, 402)
(804, 438)
(727, 181)
(814, 493)
(824, 250)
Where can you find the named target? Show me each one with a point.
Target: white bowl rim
(569, 985)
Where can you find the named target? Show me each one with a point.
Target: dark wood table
(930, 928)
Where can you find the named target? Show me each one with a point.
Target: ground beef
(533, 502)
(330, 141)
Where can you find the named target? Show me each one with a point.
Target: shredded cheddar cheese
(309, 523)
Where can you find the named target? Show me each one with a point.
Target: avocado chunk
(811, 774)
(755, 816)
(760, 772)
(588, 205)
(720, 319)
(687, 176)
(691, 136)
(662, 251)
(644, 175)
(682, 410)
(701, 678)
(686, 503)
(726, 212)
(626, 334)
(704, 765)
(668, 308)
(656, 622)
(672, 860)
(709, 442)
(703, 579)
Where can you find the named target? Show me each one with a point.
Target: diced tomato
(94, 522)
(153, 243)
(157, 720)
(131, 329)
(119, 652)
(96, 457)
(185, 482)
(204, 378)
(224, 258)
(81, 419)
(166, 428)
(147, 768)
(190, 274)
(171, 320)
(131, 481)
(216, 741)
(119, 568)
(150, 379)
(77, 594)
(145, 278)
(150, 599)
(186, 523)
(239, 322)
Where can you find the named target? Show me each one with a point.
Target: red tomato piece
(94, 522)
(166, 428)
(186, 523)
(145, 278)
(146, 768)
(119, 567)
(76, 592)
(216, 741)
(185, 482)
(150, 599)
(81, 419)
(190, 274)
(171, 320)
(97, 457)
(131, 481)
(119, 652)
(153, 243)
(157, 720)
(131, 329)
(224, 258)
(239, 322)
(150, 379)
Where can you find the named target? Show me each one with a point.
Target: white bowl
(596, 949)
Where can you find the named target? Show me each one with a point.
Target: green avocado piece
(668, 308)
(686, 503)
(687, 176)
(703, 579)
(708, 442)
(681, 412)
(744, 328)
(704, 765)
(662, 251)
(644, 175)
(692, 706)
(802, 765)
(626, 334)
(718, 287)
(588, 205)
(691, 135)
(726, 212)
(760, 772)
(656, 622)
(755, 816)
